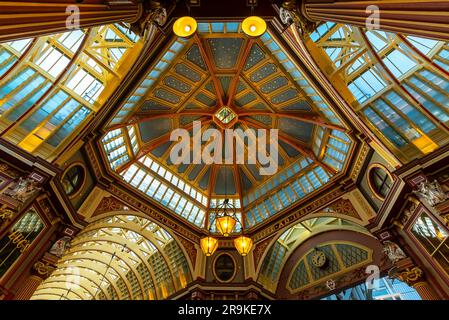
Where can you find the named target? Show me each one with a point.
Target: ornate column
(414, 277)
(41, 271)
(423, 18)
(405, 270)
(28, 18)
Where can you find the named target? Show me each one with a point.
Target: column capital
(45, 266)
(151, 14)
(412, 276)
(293, 12)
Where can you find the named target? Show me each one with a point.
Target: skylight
(61, 82)
(195, 80)
(392, 83)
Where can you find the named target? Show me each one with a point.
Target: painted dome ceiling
(225, 80)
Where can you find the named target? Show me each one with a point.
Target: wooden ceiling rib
(252, 84)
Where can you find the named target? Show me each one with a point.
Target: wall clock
(319, 259)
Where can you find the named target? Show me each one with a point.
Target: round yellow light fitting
(209, 245)
(254, 26)
(185, 27)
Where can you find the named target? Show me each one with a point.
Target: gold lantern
(225, 225)
(185, 27)
(225, 218)
(209, 245)
(254, 26)
(243, 245)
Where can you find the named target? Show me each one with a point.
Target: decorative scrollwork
(43, 269)
(6, 214)
(431, 192)
(290, 13)
(411, 275)
(330, 284)
(156, 15)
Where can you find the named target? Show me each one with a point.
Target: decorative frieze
(359, 160)
(108, 204)
(296, 215)
(344, 207)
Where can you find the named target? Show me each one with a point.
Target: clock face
(319, 259)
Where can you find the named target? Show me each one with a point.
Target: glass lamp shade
(209, 245)
(185, 27)
(243, 245)
(225, 225)
(254, 26)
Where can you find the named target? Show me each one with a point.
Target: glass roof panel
(383, 71)
(179, 89)
(52, 85)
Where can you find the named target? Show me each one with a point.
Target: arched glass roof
(118, 257)
(398, 84)
(51, 86)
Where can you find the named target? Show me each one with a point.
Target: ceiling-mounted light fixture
(225, 218)
(243, 245)
(254, 26)
(209, 245)
(185, 27)
(225, 222)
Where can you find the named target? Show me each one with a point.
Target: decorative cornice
(360, 160)
(297, 214)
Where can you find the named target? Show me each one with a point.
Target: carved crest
(393, 251)
(24, 189)
(431, 192)
(60, 246)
